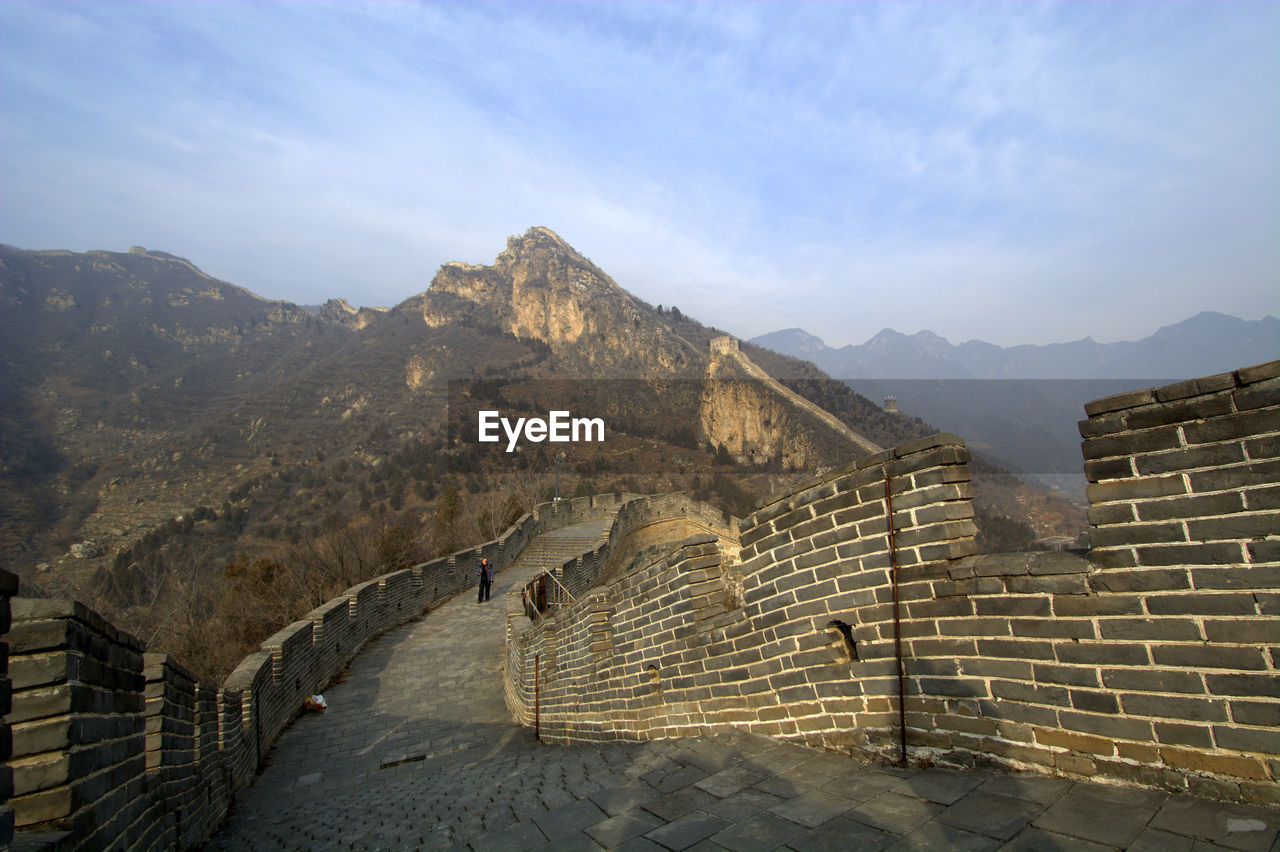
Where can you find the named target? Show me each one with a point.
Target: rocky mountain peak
(540, 287)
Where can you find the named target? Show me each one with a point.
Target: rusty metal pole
(897, 625)
(537, 708)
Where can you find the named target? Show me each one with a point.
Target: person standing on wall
(486, 580)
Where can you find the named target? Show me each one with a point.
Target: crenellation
(1152, 660)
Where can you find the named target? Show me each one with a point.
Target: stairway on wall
(549, 551)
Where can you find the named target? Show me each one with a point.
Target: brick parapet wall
(8, 588)
(692, 643)
(111, 747)
(1149, 662)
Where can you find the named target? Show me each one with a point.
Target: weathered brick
(1174, 707)
(1178, 733)
(1075, 742)
(1189, 458)
(1066, 675)
(1220, 603)
(1107, 726)
(1009, 669)
(1263, 447)
(1031, 693)
(1209, 657)
(1191, 507)
(1099, 470)
(1181, 411)
(1054, 628)
(1111, 513)
(1235, 476)
(1232, 427)
(1056, 584)
(1094, 702)
(1140, 580)
(1258, 372)
(1103, 424)
(1067, 607)
(1120, 401)
(1131, 442)
(1153, 680)
(1243, 632)
(1196, 387)
(1234, 527)
(1261, 499)
(1252, 578)
(1016, 649)
(1265, 714)
(1102, 653)
(1217, 553)
(1139, 488)
(1252, 686)
(1220, 764)
(1125, 534)
(1247, 739)
(1023, 606)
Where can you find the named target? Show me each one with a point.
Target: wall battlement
(1154, 660)
(111, 745)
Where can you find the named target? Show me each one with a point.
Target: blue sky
(1015, 172)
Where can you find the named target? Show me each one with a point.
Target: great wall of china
(1154, 659)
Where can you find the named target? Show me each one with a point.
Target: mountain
(174, 444)
(1205, 344)
(1020, 404)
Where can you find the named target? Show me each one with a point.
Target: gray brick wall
(1153, 661)
(114, 746)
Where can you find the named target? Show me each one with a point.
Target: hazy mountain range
(144, 404)
(1020, 404)
(1202, 345)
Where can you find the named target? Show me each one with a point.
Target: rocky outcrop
(541, 288)
(758, 420)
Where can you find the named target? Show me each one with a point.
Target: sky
(1026, 172)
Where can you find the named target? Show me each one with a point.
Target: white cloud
(1003, 169)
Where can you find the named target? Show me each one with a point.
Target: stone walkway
(417, 751)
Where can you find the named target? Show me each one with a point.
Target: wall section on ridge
(1155, 660)
(114, 746)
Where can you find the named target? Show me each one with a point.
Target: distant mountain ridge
(1020, 404)
(1206, 343)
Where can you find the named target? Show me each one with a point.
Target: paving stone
(1235, 826)
(758, 834)
(994, 816)
(894, 812)
(623, 827)
(789, 784)
(417, 750)
(577, 842)
(522, 835)
(939, 836)
(861, 785)
(570, 819)
(743, 805)
(1031, 788)
(1037, 840)
(682, 777)
(677, 804)
(840, 835)
(687, 830)
(729, 781)
(812, 808)
(943, 786)
(615, 800)
(639, 844)
(1110, 815)
(1155, 840)
(780, 758)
